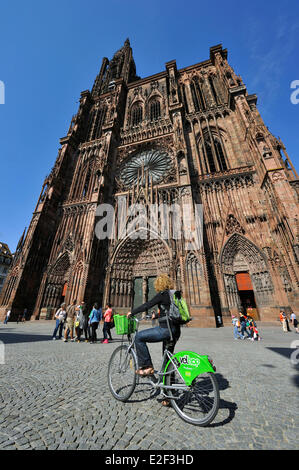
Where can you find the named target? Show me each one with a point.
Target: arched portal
(135, 265)
(56, 287)
(247, 280)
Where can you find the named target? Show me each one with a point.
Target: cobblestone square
(54, 395)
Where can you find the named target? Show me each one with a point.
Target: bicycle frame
(187, 364)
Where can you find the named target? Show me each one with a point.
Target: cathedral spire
(122, 65)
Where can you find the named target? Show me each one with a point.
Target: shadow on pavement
(224, 405)
(286, 352)
(295, 380)
(291, 354)
(146, 392)
(12, 338)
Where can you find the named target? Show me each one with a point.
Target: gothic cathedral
(198, 137)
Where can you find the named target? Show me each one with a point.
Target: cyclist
(160, 333)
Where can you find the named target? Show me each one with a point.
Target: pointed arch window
(195, 98)
(155, 110)
(90, 125)
(211, 81)
(86, 184)
(184, 98)
(99, 121)
(137, 114)
(199, 95)
(209, 152)
(193, 271)
(214, 153)
(220, 155)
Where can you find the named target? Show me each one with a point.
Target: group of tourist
(285, 321)
(76, 320)
(244, 324)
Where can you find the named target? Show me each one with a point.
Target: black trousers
(94, 327)
(106, 330)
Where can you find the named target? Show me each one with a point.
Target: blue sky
(52, 50)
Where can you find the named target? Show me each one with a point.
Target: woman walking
(236, 323)
(243, 322)
(107, 324)
(94, 319)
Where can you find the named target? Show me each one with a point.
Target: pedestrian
(60, 316)
(77, 324)
(283, 319)
(8, 313)
(108, 320)
(287, 322)
(24, 317)
(83, 323)
(256, 335)
(236, 324)
(70, 321)
(243, 323)
(294, 321)
(251, 325)
(94, 319)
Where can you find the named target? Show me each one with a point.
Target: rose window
(155, 163)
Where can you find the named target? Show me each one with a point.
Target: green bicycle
(186, 379)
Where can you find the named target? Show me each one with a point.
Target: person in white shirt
(7, 317)
(60, 316)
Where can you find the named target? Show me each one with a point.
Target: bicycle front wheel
(121, 373)
(199, 404)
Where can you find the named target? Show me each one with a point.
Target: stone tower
(186, 137)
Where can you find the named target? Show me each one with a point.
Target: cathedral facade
(190, 137)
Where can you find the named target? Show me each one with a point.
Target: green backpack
(178, 311)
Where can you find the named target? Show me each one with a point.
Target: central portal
(144, 290)
(136, 265)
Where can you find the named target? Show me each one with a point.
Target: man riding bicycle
(160, 333)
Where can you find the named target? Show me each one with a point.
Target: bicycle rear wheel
(199, 404)
(121, 373)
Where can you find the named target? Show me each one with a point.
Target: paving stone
(43, 407)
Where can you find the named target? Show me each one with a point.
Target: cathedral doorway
(247, 281)
(135, 265)
(246, 294)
